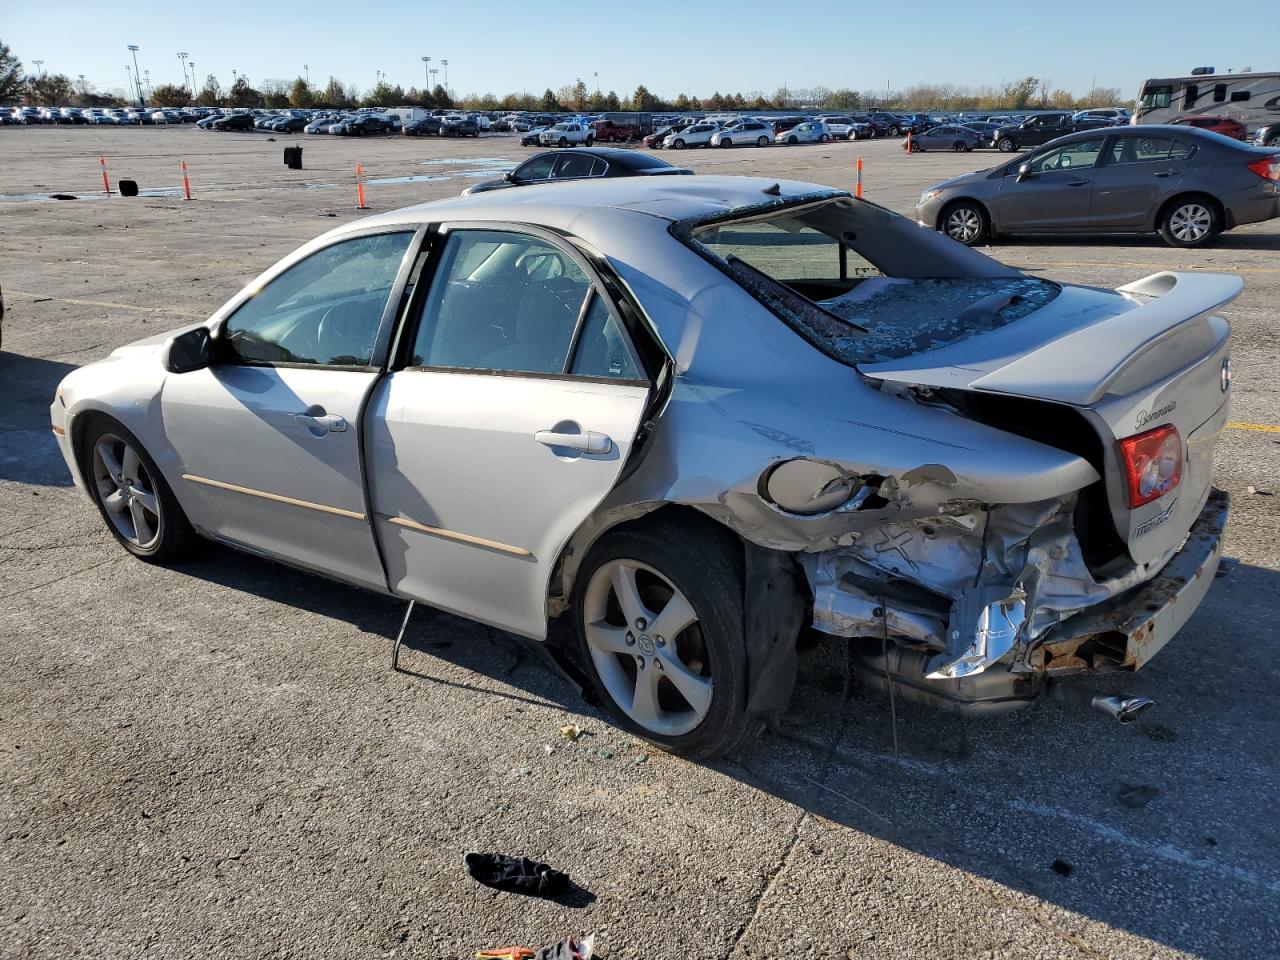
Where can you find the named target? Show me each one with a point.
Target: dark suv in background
(1041, 128)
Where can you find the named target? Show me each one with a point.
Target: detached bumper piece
(1124, 633)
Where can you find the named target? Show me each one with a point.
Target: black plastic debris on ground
(1136, 796)
(516, 874)
(1061, 867)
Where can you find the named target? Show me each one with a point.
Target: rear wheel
(1191, 222)
(824, 138)
(132, 495)
(966, 222)
(659, 617)
(1274, 141)
(562, 142)
(793, 140)
(958, 146)
(678, 144)
(762, 141)
(895, 132)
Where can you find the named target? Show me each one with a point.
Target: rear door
(506, 419)
(1055, 195)
(1140, 171)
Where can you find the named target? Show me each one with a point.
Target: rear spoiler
(1079, 366)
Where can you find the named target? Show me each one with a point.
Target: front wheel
(967, 222)
(762, 141)
(1274, 141)
(792, 141)
(1005, 145)
(590, 141)
(824, 138)
(132, 495)
(895, 132)
(562, 142)
(958, 146)
(726, 143)
(1191, 222)
(660, 630)
(678, 144)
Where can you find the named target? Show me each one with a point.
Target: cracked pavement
(215, 759)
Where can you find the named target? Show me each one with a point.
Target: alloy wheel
(963, 224)
(1191, 222)
(645, 641)
(126, 490)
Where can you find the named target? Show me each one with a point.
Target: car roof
(593, 208)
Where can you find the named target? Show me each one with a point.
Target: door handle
(586, 441)
(1166, 173)
(322, 423)
(1078, 183)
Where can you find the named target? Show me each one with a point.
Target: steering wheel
(343, 325)
(1064, 161)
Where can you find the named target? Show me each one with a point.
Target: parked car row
(99, 116)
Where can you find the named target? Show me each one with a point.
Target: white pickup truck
(567, 134)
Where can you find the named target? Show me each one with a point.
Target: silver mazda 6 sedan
(696, 416)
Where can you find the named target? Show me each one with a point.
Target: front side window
(501, 301)
(539, 168)
(324, 310)
(1080, 155)
(1156, 97)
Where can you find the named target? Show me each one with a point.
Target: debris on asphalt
(516, 874)
(1257, 491)
(1061, 867)
(521, 772)
(1136, 796)
(549, 749)
(605, 754)
(566, 949)
(571, 731)
(641, 758)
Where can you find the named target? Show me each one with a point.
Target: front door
(1140, 172)
(267, 439)
(506, 420)
(1055, 194)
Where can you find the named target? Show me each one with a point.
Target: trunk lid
(1149, 354)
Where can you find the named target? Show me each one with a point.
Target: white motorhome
(1250, 98)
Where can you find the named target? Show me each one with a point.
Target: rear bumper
(1253, 205)
(1126, 632)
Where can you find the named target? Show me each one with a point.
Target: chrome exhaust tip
(1124, 708)
(1121, 708)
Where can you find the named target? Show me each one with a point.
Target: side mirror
(509, 176)
(188, 351)
(1024, 172)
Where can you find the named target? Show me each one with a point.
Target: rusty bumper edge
(1149, 617)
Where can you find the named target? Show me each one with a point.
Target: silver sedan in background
(951, 137)
(811, 131)
(694, 416)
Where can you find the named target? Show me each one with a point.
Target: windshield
(862, 284)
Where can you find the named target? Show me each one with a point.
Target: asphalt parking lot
(216, 761)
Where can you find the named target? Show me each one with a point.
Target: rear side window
(1146, 149)
(603, 351)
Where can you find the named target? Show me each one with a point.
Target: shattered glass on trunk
(906, 317)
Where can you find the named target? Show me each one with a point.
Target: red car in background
(1223, 125)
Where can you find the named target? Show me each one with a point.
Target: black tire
(174, 536)
(562, 142)
(726, 143)
(590, 141)
(1181, 220)
(792, 141)
(1006, 145)
(958, 146)
(825, 138)
(895, 132)
(762, 141)
(705, 563)
(1274, 141)
(912, 146)
(978, 231)
(677, 144)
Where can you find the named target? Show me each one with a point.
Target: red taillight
(1152, 463)
(1268, 168)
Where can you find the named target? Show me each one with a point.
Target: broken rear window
(863, 284)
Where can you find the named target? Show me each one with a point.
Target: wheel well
(670, 515)
(951, 204)
(79, 428)
(1190, 194)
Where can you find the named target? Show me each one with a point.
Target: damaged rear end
(977, 604)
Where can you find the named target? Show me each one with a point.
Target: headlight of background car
(927, 196)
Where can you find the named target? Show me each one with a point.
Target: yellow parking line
(1258, 427)
(104, 303)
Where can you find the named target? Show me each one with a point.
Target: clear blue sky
(695, 46)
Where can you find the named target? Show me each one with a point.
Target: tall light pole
(192, 64)
(426, 70)
(137, 74)
(597, 75)
(182, 58)
(445, 64)
(129, 72)
(307, 70)
(83, 88)
(39, 66)
(433, 79)
(148, 74)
